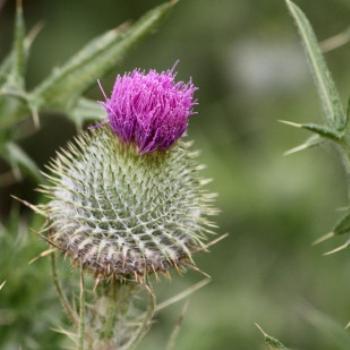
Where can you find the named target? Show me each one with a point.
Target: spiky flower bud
(118, 212)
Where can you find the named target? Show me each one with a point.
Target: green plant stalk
(65, 304)
(109, 327)
(146, 322)
(81, 345)
(118, 299)
(112, 312)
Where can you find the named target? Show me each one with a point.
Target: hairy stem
(63, 299)
(115, 299)
(82, 311)
(144, 326)
(112, 312)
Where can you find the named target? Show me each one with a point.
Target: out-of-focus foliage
(271, 342)
(28, 307)
(247, 60)
(62, 90)
(337, 120)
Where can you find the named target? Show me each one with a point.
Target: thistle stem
(63, 299)
(112, 315)
(81, 311)
(143, 328)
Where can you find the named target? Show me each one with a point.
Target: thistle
(126, 199)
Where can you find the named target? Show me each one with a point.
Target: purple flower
(150, 109)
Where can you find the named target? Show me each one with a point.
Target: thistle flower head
(118, 213)
(150, 109)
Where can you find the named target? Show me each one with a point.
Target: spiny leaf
(7, 63)
(341, 227)
(348, 110)
(5, 67)
(312, 141)
(16, 76)
(271, 343)
(96, 59)
(332, 106)
(20, 160)
(321, 130)
(19, 43)
(86, 110)
(12, 72)
(27, 104)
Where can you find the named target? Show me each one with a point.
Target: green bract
(120, 213)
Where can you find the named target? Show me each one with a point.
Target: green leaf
(348, 110)
(343, 225)
(5, 67)
(86, 110)
(19, 63)
(16, 76)
(8, 62)
(271, 343)
(321, 130)
(67, 83)
(332, 106)
(19, 160)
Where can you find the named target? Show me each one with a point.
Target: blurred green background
(247, 60)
